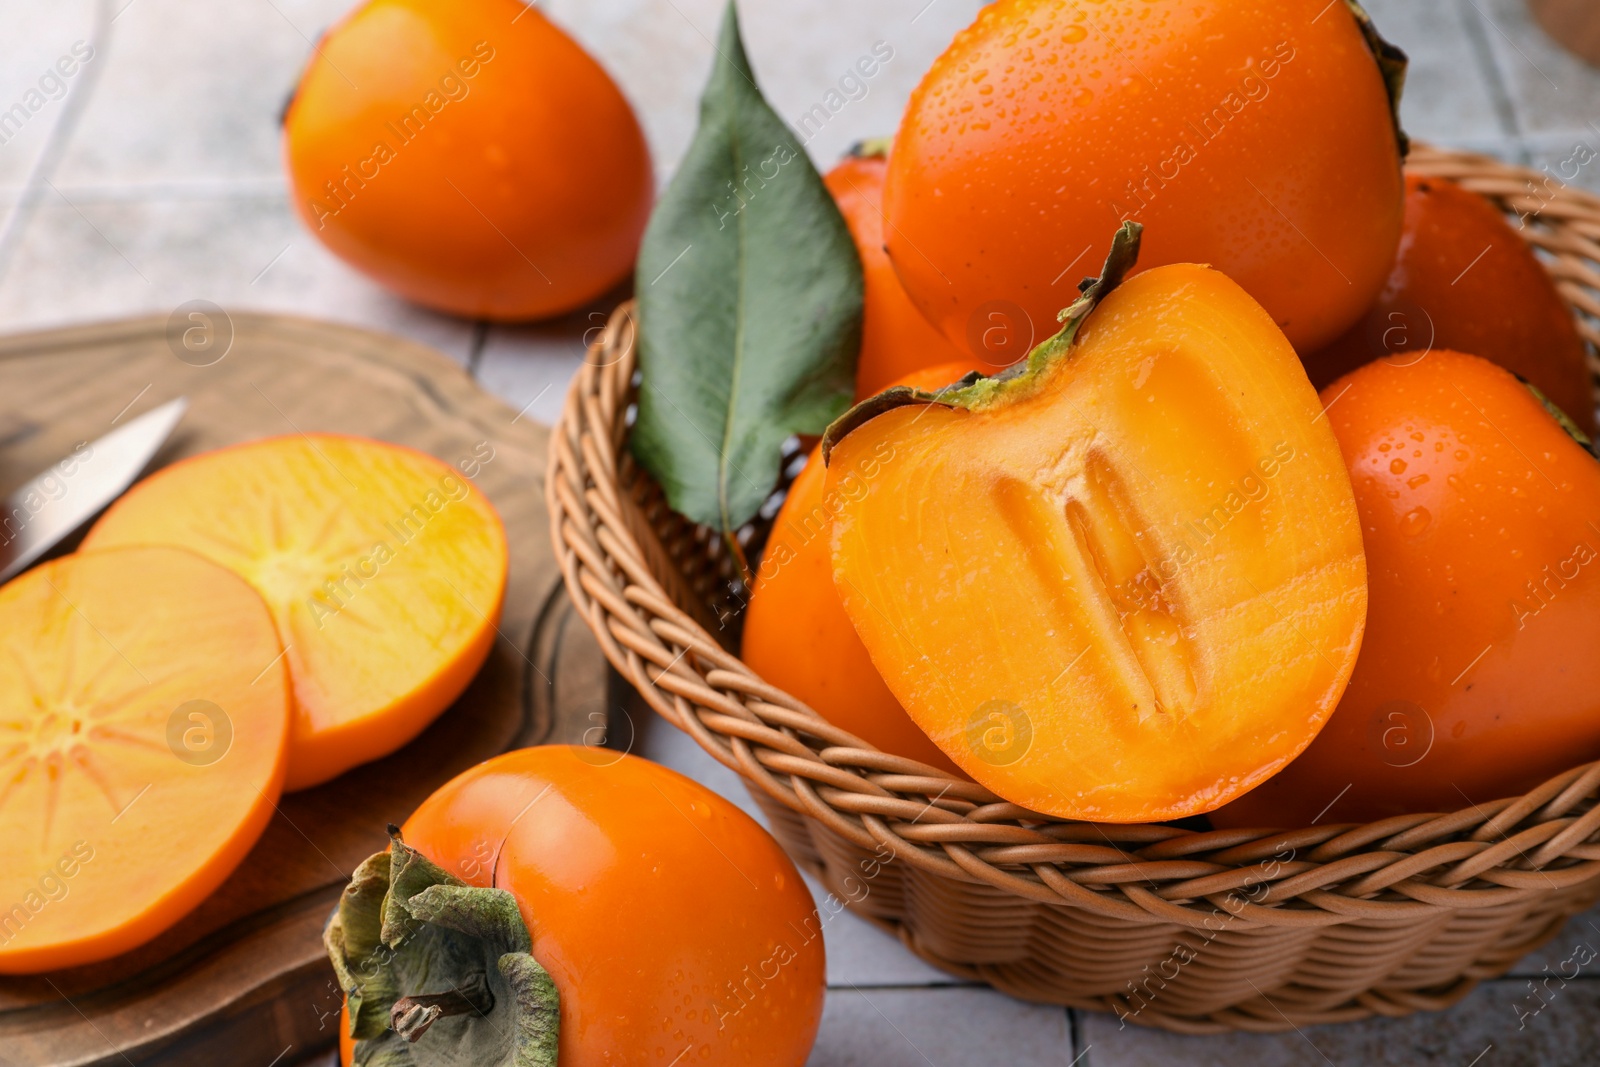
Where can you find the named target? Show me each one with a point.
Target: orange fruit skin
(895, 338)
(1471, 685)
(651, 901)
(351, 704)
(1252, 135)
(347, 1044)
(796, 633)
(524, 192)
(105, 826)
(1464, 280)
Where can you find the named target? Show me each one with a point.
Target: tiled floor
(157, 179)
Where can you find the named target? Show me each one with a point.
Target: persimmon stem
(412, 1016)
(731, 539)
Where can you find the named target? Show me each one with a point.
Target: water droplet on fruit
(1415, 522)
(1074, 34)
(1417, 481)
(1461, 454)
(1397, 466)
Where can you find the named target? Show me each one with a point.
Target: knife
(36, 517)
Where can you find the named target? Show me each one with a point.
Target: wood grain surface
(242, 980)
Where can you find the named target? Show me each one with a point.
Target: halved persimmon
(796, 633)
(384, 568)
(144, 717)
(1126, 582)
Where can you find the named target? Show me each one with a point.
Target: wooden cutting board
(243, 979)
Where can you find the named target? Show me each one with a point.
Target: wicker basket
(1194, 932)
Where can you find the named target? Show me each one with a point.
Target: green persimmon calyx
(1392, 63)
(437, 973)
(977, 391)
(1553, 409)
(870, 148)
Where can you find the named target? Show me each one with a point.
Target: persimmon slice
(384, 568)
(1124, 583)
(144, 717)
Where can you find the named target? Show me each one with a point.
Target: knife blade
(39, 514)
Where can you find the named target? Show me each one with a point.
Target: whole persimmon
(895, 339)
(347, 1044)
(470, 156)
(796, 633)
(581, 906)
(1478, 677)
(1253, 135)
(1464, 280)
(1124, 583)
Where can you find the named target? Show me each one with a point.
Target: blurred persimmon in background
(895, 339)
(470, 156)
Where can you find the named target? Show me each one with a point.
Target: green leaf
(749, 292)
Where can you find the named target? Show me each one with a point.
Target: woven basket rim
(637, 573)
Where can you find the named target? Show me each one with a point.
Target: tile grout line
(1494, 79)
(904, 987)
(58, 137)
(1076, 1017)
(242, 187)
(1080, 1054)
(480, 341)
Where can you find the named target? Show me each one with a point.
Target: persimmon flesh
(384, 567)
(1126, 585)
(796, 633)
(1478, 679)
(144, 718)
